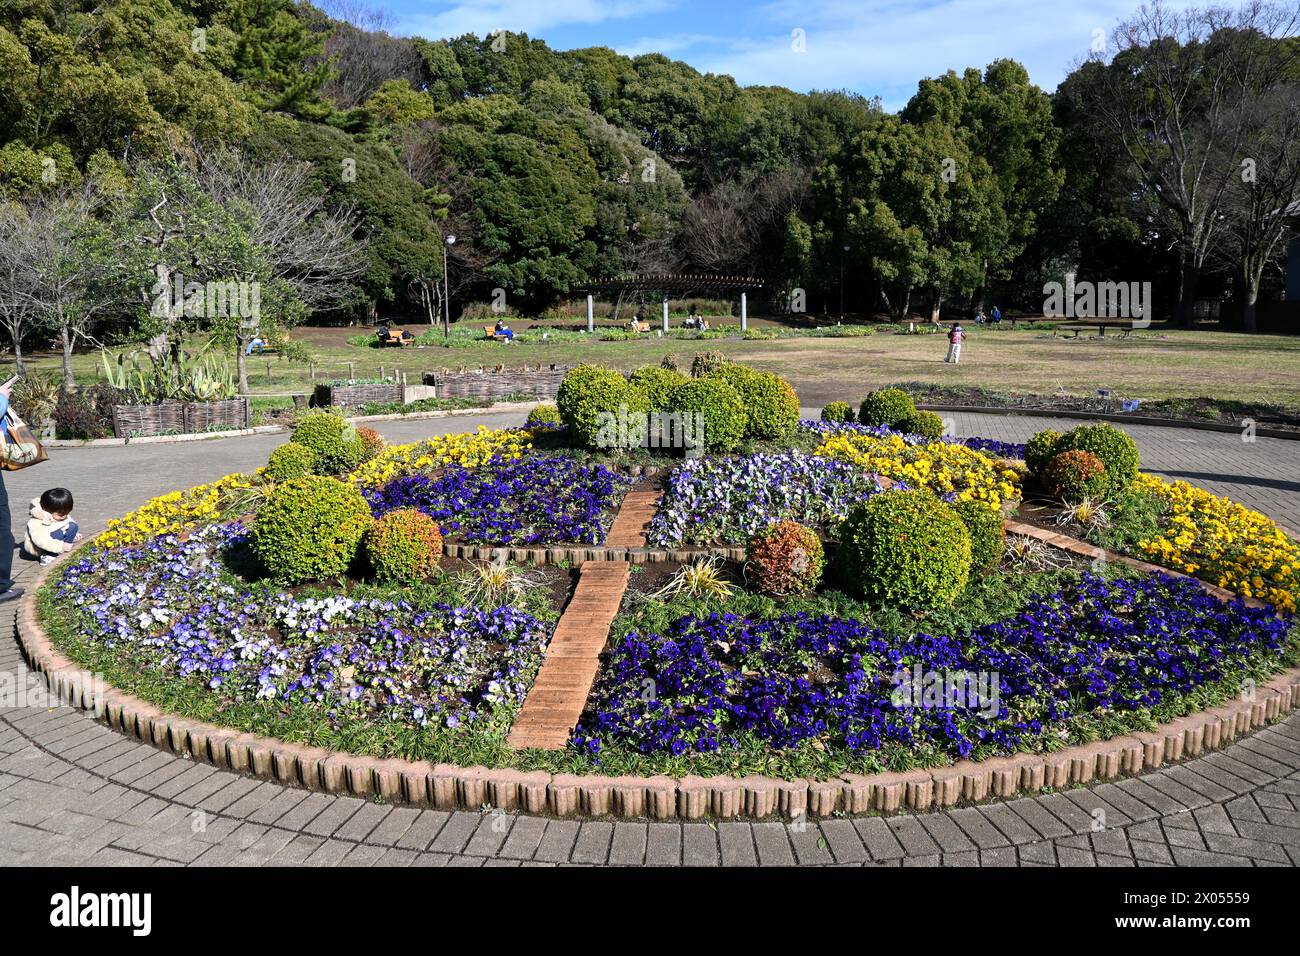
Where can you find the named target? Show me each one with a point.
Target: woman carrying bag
(20, 449)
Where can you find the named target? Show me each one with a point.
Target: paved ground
(73, 791)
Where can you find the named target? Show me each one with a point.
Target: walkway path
(74, 792)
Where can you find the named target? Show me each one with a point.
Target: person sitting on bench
(504, 331)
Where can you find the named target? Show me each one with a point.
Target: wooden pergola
(669, 284)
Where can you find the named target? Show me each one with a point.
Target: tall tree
(1177, 95)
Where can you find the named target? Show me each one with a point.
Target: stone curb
(498, 409)
(1283, 433)
(471, 788)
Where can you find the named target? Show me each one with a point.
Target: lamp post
(446, 288)
(844, 251)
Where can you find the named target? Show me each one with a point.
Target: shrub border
(448, 787)
(1287, 434)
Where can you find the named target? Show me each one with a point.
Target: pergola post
(591, 315)
(744, 312)
(665, 315)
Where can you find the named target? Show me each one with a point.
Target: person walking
(7, 590)
(956, 335)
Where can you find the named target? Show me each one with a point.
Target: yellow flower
(1226, 542)
(938, 466)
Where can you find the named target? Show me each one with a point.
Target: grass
(1150, 365)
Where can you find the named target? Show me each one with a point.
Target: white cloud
(533, 17)
(885, 46)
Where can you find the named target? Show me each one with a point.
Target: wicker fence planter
(180, 418)
(543, 383)
(356, 396)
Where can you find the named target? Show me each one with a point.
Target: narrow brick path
(74, 792)
(559, 694)
(632, 523)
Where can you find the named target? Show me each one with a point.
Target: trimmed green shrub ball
(838, 412)
(658, 384)
(907, 549)
(771, 405)
(289, 461)
(721, 407)
(543, 415)
(988, 537)
(888, 407)
(403, 546)
(1074, 475)
(309, 529)
(590, 400)
(926, 424)
(334, 443)
(1117, 451)
(1040, 449)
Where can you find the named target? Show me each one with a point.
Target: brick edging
(581, 554)
(659, 797)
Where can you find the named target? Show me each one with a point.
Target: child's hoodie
(40, 526)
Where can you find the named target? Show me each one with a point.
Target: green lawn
(1152, 364)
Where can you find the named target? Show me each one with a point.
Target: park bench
(395, 337)
(1124, 326)
(640, 326)
(490, 332)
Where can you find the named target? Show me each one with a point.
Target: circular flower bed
(805, 661)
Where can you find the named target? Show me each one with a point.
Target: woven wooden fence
(543, 383)
(355, 396)
(180, 418)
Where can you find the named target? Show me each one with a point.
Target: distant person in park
(703, 324)
(504, 330)
(996, 315)
(7, 590)
(50, 529)
(255, 344)
(980, 318)
(956, 335)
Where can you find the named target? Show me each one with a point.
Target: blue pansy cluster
(730, 499)
(1093, 647)
(169, 604)
(534, 499)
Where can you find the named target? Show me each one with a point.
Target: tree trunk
(1190, 279)
(936, 304)
(69, 378)
(19, 365)
(241, 360)
(1249, 319)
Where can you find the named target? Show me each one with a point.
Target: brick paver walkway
(72, 791)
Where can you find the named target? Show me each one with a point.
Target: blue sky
(875, 47)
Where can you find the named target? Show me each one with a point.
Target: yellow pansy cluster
(1224, 543)
(938, 466)
(174, 512)
(468, 450)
